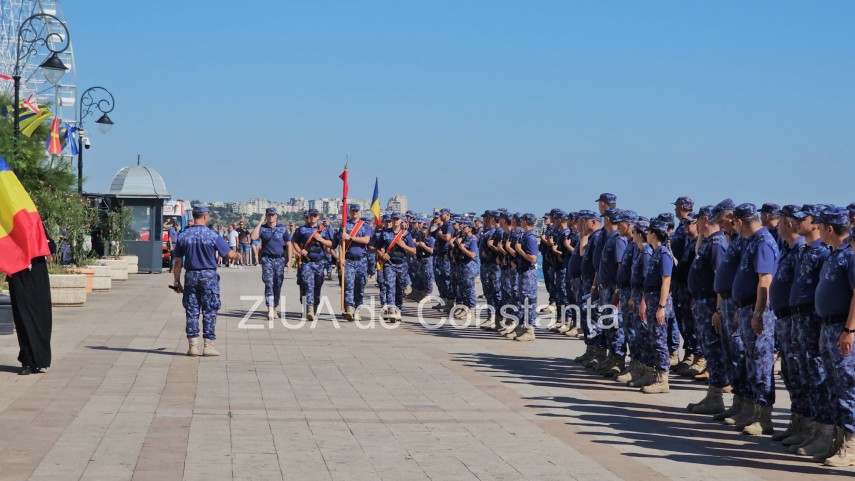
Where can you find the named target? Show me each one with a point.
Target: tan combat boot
(713, 404)
(527, 334)
(762, 422)
(271, 313)
(748, 416)
(626, 375)
(208, 350)
(193, 349)
(792, 428)
(617, 367)
(821, 444)
(682, 366)
(659, 386)
(845, 456)
(648, 376)
(697, 367)
(746, 413)
(675, 359)
(310, 313)
(734, 409)
(573, 332)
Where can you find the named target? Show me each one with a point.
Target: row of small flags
(31, 114)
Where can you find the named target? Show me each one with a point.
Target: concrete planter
(118, 268)
(101, 282)
(133, 263)
(67, 289)
(90, 275)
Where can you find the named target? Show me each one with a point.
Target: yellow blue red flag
(375, 204)
(22, 237)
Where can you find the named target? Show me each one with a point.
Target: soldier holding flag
(309, 243)
(355, 236)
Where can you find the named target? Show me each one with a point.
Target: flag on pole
(5, 77)
(69, 132)
(53, 144)
(22, 237)
(32, 104)
(375, 204)
(28, 120)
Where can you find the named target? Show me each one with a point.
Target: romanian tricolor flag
(375, 204)
(53, 144)
(22, 236)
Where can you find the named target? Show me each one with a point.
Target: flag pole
(342, 248)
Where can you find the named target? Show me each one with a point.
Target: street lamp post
(93, 98)
(33, 33)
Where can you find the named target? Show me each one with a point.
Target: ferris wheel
(61, 98)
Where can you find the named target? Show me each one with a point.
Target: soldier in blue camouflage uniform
(456, 267)
(682, 244)
(603, 291)
(757, 265)
(623, 294)
(311, 244)
(656, 307)
(469, 264)
(274, 254)
(834, 305)
(561, 255)
(378, 239)
(812, 431)
(526, 248)
(574, 279)
(701, 280)
(545, 248)
(394, 255)
(594, 341)
(441, 230)
(424, 259)
(637, 332)
(489, 267)
(356, 236)
(513, 296)
(673, 328)
(196, 250)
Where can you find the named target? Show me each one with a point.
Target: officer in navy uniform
(394, 255)
(275, 253)
(770, 215)
(311, 244)
(545, 249)
(424, 259)
(488, 266)
(378, 239)
(604, 286)
(196, 250)
(355, 269)
(469, 266)
(680, 244)
(442, 231)
(526, 264)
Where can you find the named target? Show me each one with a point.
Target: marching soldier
(356, 235)
(274, 253)
(394, 252)
(309, 243)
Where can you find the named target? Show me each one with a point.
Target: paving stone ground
(336, 402)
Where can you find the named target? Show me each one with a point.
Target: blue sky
(477, 104)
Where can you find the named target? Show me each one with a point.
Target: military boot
(734, 409)
(675, 358)
(597, 360)
(589, 352)
(193, 348)
(792, 428)
(697, 367)
(682, 366)
(836, 443)
(604, 367)
(489, 324)
(810, 438)
(713, 404)
(617, 367)
(310, 313)
(527, 334)
(801, 434)
(762, 423)
(845, 456)
(271, 313)
(572, 332)
(745, 413)
(748, 416)
(659, 385)
(703, 377)
(627, 373)
(208, 350)
(348, 313)
(821, 444)
(648, 376)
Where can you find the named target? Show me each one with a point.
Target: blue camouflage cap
(658, 225)
(386, 218)
(571, 216)
(355, 207)
(397, 215)
(851, 209)
(630, 216)
(745, 211)
(819, 208)
(312, 212)
(613, 214)
(835, 216)
(789, 210)
(201, 209)
(517, 216)
(685, 201)
(607, 198)
(666, 217)
(722, 207)
(690, 218)
(528, 218)
(270, 211)
(807, 210)
(642, 225)
(586, 214)
(444, 211)
(558, 213)
(706, 211)
(410, 214)
(770, 208)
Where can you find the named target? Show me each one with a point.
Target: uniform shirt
(661, 265)
(624, 271)
(315, 249)
(441, 245)
(471, 244)
(727, 269)
(173, 234)
(613, 249)
(706, 263)
(353, 248)
(398, 254)
(809, 263)
(528, 244)
(199, 245)
(782, 281)
(836, 281)
(486, 254)
(273, 239)
(640, 261)
(421, 253)
(598, 248)
(680, 242)
(574, 263)
(760, 256)
(685, 258)
(589, 267)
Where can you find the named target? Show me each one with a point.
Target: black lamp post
(33, 33)
(94, 98)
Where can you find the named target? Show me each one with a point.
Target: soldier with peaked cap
(468, 264)
(196, 251)
(489, 267)
(274, 255)
(681, 245)
(655, 306)
(526, 264)
(378, 240)
(424, 259)
(442, 231)
(310, 242)
(605, 286)
(397, 246)
(545, 249)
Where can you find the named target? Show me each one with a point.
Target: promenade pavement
(337, 402)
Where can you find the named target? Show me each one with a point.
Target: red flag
(53, 144)
(5, 77)
(343, 177)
